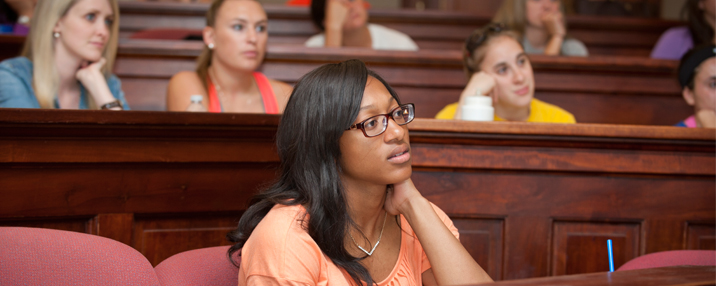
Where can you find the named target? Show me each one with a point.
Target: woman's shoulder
(316, 41)
(180, 89)
(574, 47)
(185, 76)
(282, 91)
(549, 113)
(280, 248)
(448, 112)
(677, 33)
(385, 38)
(673, 43)
(20, 66)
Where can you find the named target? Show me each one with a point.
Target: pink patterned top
(280, 252)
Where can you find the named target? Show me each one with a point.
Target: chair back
(204, 266)
(671, 258)
(37, 256)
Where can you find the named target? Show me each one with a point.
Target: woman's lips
(400, 158)
(523, 91)
(251, 54)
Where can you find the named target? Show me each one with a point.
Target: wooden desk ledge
(675, 275)
(421, 125)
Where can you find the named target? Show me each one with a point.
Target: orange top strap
(267, 95)
(270, 104)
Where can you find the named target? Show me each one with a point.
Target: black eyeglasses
(376, 125)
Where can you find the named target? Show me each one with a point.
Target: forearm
(554, 46)
(334, 37)
(100, 93)
(451, 263)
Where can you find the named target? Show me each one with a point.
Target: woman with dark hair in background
(344, 209)
(697, 76)
(226, 78)
(344, 23)
(675, 42)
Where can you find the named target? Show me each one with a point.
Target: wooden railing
(530, 200)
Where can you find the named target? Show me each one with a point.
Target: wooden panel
(581, 247)
(699, 236)
(10, 46)
(112, 226)
(159, 237)
(185, 178)
(483, 239)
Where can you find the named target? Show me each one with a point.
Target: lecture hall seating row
(598, 89)
(530, 200)
(430, 29)
(606, 89)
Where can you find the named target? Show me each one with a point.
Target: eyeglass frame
(360, 125)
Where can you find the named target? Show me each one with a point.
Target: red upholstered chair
(671, 258)
(204, 266)
(37, 256)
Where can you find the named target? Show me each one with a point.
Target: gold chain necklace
(376, 243)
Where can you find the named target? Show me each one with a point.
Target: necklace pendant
(371, 251)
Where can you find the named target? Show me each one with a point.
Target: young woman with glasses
(344, 210)
(497, 66)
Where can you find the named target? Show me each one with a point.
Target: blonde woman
(67, 59)
(540, 27)
(235, 36)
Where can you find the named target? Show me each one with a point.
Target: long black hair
(318, 13)
(701, 31)
(324, 103)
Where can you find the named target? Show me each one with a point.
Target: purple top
(673, 44)
(21, 29)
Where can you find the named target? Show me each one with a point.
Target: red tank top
(267, 95)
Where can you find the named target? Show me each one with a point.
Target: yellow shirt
(540, 111)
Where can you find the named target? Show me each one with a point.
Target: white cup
(478, 108)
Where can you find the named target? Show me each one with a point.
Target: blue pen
(611, 257)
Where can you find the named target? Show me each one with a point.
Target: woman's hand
(336, 15)
(479, 81)
(399, 196)
(706, 118)
(92, 78)
(554, 24)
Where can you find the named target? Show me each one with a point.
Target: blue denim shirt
(16, 86)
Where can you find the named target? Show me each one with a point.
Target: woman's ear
(688, 95)
(57, 28)
(208, 34)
